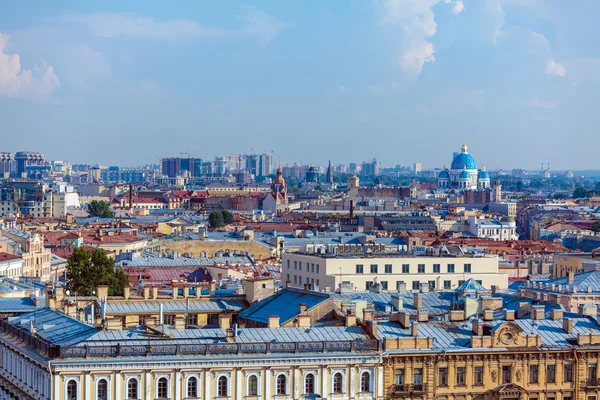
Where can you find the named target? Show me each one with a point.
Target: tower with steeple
(329, 174)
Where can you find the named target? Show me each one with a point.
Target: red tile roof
(8, 257)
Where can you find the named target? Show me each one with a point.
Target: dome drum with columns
(463, 173)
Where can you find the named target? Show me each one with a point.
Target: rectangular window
(317, 282)
(568, 373)
(551, 373)
(384, 285)
(373, 268)
(467, 267)
(359, 268)
(400, 376)
(388, 268)
(317, 268)
(460, 376)
(432, 285)
(447, 285)
(421, 268)
(592, 371)
(478, 375)
(450, 268)
(506, 370)
(300, 266)
(368, 284)
(533, 374)
(405, 268)
(415, 285)
(443, 376)
(436, 268)
(418, 376)
(288, 264)
(295, 280)
(296, 265)
(460, 282)
(312, 268)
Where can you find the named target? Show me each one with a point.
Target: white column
(88, 385)
(207, 384)
(352, 381)
(324, 385)
(298, 384)
(177, 385)
(379, 381)
(118, 385)
(238, 384)
(58, 387)
(148, 385)
(267, 383)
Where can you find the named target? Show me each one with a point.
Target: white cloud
(554, 68)
(38, 83)
(258, 24)
(417, 22)
(539, 103)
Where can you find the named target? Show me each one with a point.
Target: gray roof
(581, 282)
(435, 303)
(149, 262)
(16, 305)
(284, 304)
(194, 306)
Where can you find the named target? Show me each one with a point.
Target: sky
(402, 81)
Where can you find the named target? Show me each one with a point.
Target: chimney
(273, 321)
(570, 277)
(488, 315)
(423, 316)
(568, 325)
(186, 292)
(556, 314)
(175, 291)
(126, 292)
(224, 321)
(301, 308)
(404, 319)
(350, 319)
(155, 292)
(397, 302)
(198, 291)
(418, 301)
(509, 315)
(538, 312)
(588, 310)
(146, 292)
(368, 314)
(477, 327)
(230, 335)
(212, 287)
(524, 309)
(414, 329)
(102, 291)
(303, 321)
(59, 294)
(494, 290)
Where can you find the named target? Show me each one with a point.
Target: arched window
(252, 385)
(222, 386)
(337, 383)
(132, 389)
(192, 387)
(365, 382)
(281, 384)
(102, 390)
(72, 390)
(162, 389)
(309, 384)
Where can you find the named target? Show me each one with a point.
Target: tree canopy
(215, 219)
(596, 227)
(227, 217)
(101, 209)
(86, 271)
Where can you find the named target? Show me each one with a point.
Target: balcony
(592, 383)
(408, 389)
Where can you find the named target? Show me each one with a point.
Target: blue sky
(401, 80)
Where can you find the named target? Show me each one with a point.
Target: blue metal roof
(285, 304)
(16, 305)
(582, 282)
(483, 175)
(471, 285)
(464, 160)
(464, 175)
(444, 174)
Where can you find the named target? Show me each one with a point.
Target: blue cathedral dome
(483, 175)
(444, 175)
(464, 160)
(464, 175)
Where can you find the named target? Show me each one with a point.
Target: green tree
(580, 193)
(100, 209)
(215, 219)
(596, 227)
(86, 271)
(227, 217)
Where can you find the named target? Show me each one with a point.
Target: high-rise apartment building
(172, 165)
(26, 158)
(6, 160)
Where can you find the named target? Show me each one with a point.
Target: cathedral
(463, 173)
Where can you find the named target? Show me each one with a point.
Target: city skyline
(128, 85)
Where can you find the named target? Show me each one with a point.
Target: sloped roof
(471, 285)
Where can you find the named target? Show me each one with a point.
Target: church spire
(329, 174)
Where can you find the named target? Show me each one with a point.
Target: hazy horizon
(403, 81)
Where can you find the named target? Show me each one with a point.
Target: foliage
(100, 209)
(580, 193)
(227, 217)
(86, 271)
(215, 219)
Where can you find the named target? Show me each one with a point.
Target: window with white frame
(338, 382)
(72, 390)
(252, 385)
(132, 389)
(309, 384)
(222, 386)
(162, 388)
(365, 382)
(102, 390)
(192, 387)
(281, 385)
